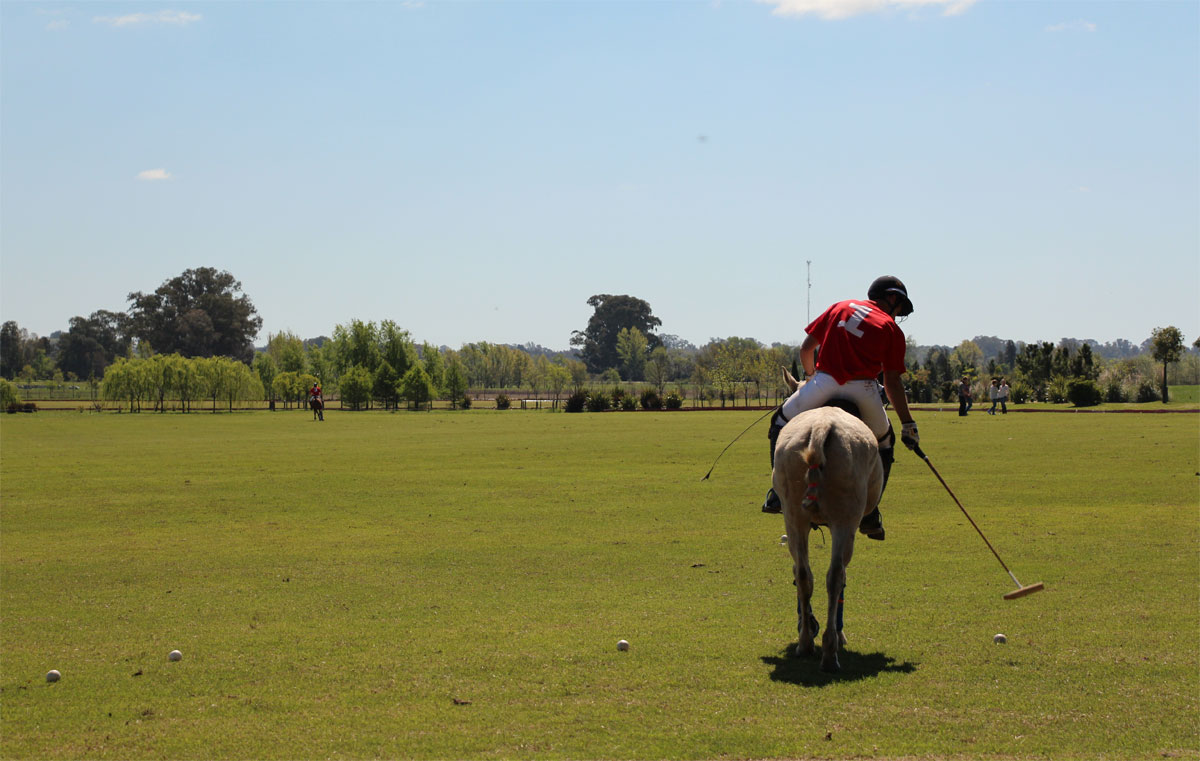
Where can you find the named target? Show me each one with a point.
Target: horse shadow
(807, 671)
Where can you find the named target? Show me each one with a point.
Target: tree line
(1047, 372)
(202, 315)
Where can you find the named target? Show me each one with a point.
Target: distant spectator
(964, 396)
(994, 395)
(1002, 396)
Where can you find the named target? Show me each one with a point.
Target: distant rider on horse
(315, 401)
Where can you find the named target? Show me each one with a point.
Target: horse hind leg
(835, 582)
(806, 622)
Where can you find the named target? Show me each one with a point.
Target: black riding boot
(872, 522)
(772, 504)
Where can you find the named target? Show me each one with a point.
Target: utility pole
(809, 313)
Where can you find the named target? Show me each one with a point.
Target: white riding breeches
(820, 388)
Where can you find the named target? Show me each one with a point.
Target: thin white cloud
(178, 18)
(842, 9)
(58, 21)
(1072, 26)
(413, 5)
(154, 174)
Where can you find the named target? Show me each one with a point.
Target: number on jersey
(852, 325)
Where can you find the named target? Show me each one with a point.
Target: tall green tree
(355, 387)
(966, 359)
(1035, 363)
(287, 350)
(121, 382)
(1009, 356)
(266, 368)
(598, 342)
(228, 380)
(8, 394)
(557, 379)
(632, 348)
(92, 343)
(160, 378)
(356, 344)
(1083, 364)
(318, 363)
(455, 380)
(396, 347)
(431, 360)
(538, 375)
(187, 381)
(20, 349)
(579, 374)
(384, 385)
(10, 349)
(200, 313)
(286, 387)
(1167, 345)
(416, 388)
(658, 369)
(494, 365)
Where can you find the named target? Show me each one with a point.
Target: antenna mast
(809, 313)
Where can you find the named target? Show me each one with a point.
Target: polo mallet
(735, 438)
(792, 385)
(1020, 591)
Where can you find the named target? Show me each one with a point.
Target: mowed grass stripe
(336, 588)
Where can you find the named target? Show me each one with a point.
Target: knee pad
(773, 433)
(888, 440)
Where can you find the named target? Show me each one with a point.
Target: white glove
(909, 435)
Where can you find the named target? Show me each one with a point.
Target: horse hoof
(830, 667)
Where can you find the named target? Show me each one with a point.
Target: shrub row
(599, 401)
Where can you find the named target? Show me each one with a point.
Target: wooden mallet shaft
(1020, 591)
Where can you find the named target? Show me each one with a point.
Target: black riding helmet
(891, 284)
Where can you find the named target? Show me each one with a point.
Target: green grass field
(452, 585)
(1184, 394)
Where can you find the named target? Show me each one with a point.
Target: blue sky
(476, 171)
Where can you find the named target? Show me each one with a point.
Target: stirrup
(772, 504)
(872, 525)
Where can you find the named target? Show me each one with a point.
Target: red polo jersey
(858, 341)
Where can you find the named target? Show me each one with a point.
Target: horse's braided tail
(814, 459)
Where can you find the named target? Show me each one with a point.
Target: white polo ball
(999, 639)
(53, 676)
(622, 645)
(174, 655)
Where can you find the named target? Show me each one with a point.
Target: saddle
(845, 405)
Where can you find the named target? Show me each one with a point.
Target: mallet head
(1037, 587)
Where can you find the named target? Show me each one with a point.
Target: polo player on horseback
(858, 340)
(315, 401)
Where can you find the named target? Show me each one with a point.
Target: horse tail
(814, 460)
